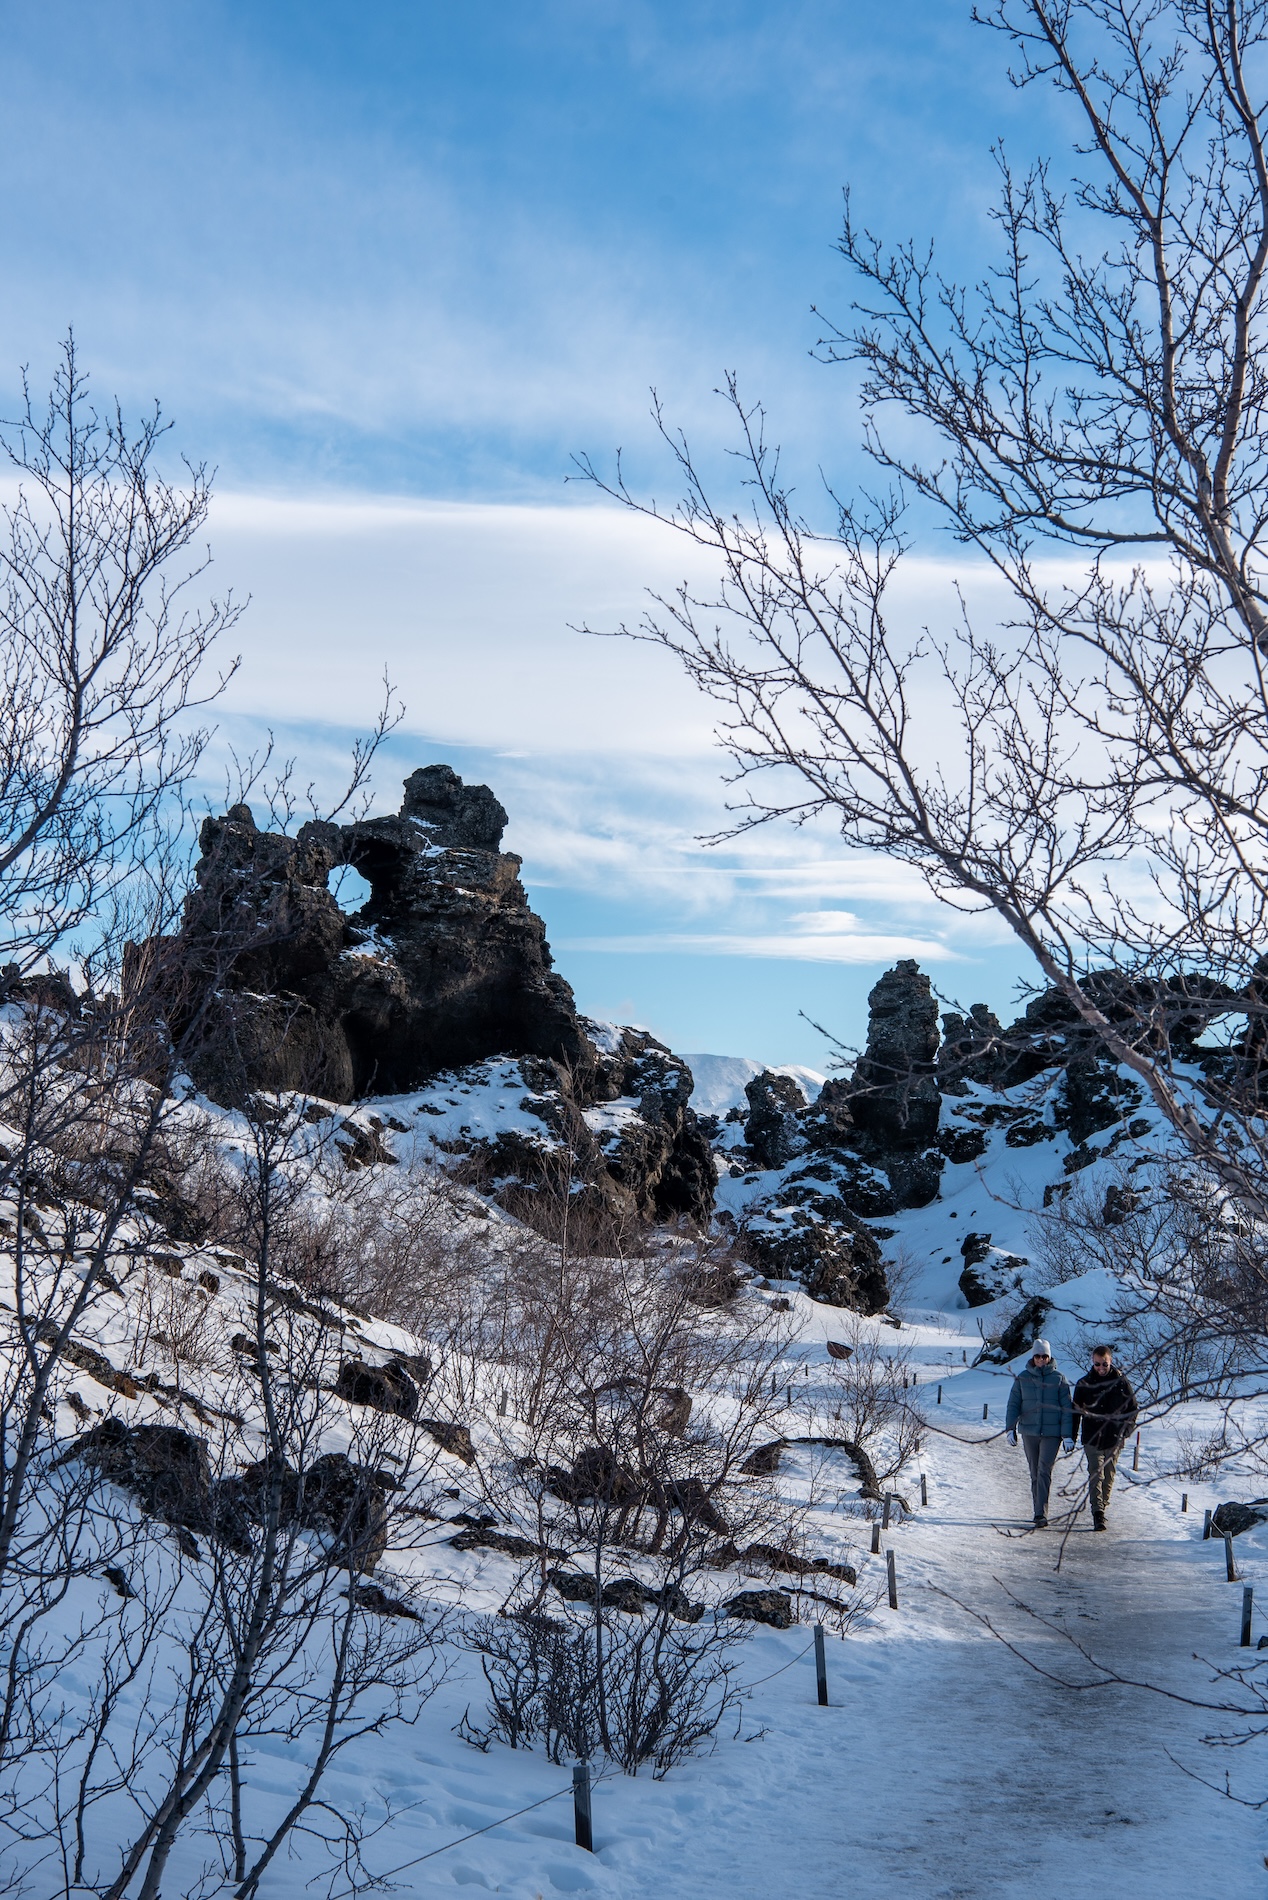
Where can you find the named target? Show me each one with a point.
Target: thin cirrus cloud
(601, 751)
(807, 945)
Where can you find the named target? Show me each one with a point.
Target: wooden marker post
(581, 1805)
(876, 1538)
(1184, 1500)
(893, 1579)
(939, 1395)
(502, 1404)
(985, 1410)
(1206, 1527)
(885, 1517)
(1248, 1601)
(1136, 1454)
(821, 1666)
(924, 1491)
(1229, 1565)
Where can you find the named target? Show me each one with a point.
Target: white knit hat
(1041, 1345)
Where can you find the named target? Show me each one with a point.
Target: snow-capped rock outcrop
(270, 985)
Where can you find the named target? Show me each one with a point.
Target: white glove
(1012, 1438)
(1067, 1444)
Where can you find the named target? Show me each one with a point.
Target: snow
(605, 1036)
(948, 1766)
(944, 1767)
(610, 1120)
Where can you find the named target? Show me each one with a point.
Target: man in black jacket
(1105, 1412)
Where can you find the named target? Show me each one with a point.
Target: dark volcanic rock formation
(270, 985)
(622, 1129)
(974, 1049)
(772, 1130)
(895, 1099)
(659, 1153)
(443, 965)
(835, 1256)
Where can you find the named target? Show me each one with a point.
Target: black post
(924, 1491)
(1248, 1598)
(876, 1538)
(885, 1518)
(1229, 1565)
(581, 1805)
(502, 1404)
(939, 1395)
(985, 1410)
(1206, 1527)
(1184, 1500)
(821, 1666)
(893, 1580)
(1136, 1454)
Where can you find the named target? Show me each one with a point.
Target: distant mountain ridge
(720, 1080)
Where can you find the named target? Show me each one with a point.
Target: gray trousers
(1041, 1456)
(1101, 1466)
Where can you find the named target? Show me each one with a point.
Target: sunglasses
(1037, 1357)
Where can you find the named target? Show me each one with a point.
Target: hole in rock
(348, 888)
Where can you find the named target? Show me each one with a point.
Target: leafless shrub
(174, 1317)
(869, 1398)
(285, 1640)
(638, 1689)
(1201, 1454)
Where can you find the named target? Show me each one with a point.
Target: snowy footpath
(945, 1767)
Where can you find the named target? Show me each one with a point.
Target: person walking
(1041, 1408)
(1105, 1412)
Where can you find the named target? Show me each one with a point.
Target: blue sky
(390, 266)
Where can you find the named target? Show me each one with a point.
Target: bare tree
(279, 1634)
(1089, 419)
(869, 1400)
(1188, 1314)
(101, 663)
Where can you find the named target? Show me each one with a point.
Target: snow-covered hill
(944, 1763)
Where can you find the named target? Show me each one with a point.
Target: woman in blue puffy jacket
(1041, 1408)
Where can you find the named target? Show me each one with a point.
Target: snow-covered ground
(972, 1749)
(944, 1767)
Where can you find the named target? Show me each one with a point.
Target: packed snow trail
(945, 1768)
(948, 1769)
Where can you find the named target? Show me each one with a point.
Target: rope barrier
(476, 1832)
(746, 1686)
(606, 1775)
(486, 1829)
(942, 1432)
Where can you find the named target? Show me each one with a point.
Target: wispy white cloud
(811, 947)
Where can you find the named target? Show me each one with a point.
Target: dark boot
(1041, 1523)
(1098, 1520)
